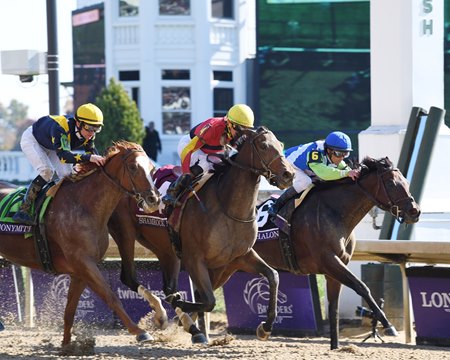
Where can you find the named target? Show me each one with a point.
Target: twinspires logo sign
(247, 296)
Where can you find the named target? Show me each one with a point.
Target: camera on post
(364, 312)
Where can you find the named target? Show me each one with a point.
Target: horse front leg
(254, 264)
(125, 244)
(333, 294)
(90, 273)
(342, 273)
(73, 297)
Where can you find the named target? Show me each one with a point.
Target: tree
(122, 120)
(13, 121)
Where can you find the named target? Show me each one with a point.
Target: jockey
(48, 145)
(208, 137)
(319, 159)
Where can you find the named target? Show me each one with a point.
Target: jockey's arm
(328, 173)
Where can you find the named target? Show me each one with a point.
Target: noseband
(393, 206)
(138, 195)
(265, 171)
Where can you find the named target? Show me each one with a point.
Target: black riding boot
(175, 189)
(24, 215)
(282, 200)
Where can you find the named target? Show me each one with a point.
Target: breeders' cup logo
(58, 293)
(257, 294)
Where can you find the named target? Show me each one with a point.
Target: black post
(52, 58)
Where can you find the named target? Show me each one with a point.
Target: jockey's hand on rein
(354, 174)
(97, 160)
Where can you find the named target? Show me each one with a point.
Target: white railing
(15, 167)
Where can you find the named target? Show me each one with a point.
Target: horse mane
(111, 151)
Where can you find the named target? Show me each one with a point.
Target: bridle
(135, 193)
(265, 171)
(393, 205)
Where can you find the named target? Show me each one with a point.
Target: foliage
(13, 121)
(122, 120)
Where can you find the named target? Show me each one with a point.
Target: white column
(406, 69)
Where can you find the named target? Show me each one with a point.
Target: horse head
(391, 190)
(260, 152)
(128, 167)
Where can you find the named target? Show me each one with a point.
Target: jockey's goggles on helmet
(341, 154)
(91, 128)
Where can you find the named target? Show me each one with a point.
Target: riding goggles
(341, 154)
(91, 128)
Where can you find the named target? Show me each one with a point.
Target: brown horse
(322, 232)
(218, 242)
(77, 232)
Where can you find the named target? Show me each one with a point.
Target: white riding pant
(43, 160)
(301, 180)
(198, 157)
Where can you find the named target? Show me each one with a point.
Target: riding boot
(24, 215)
(282, 200)
(175, 189)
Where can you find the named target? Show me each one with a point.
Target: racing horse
(217, 232)
(76, 227)
(322, 237)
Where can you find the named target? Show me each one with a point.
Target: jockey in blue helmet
(322, 160)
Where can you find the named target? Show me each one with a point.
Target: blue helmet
(337, 140)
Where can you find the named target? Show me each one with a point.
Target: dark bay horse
(77, 232)
(218, 242)
(322, 231)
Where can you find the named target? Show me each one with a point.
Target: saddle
(170, 216)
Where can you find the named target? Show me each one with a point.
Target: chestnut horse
(76, 228)
(217, 242)
(322, 232)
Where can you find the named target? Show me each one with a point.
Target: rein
(266, 172)
(391, 206)
(135, 193)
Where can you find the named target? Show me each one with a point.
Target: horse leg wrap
(161, 319)
(185, 319)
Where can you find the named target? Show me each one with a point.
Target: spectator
(152, 142)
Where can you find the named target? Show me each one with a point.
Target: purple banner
(135, 306)
(50, 296)
(8, 295)
(431, 304)
(246, 300)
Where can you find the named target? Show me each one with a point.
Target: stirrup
(169, 200)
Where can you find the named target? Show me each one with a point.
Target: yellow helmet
(241, 114)
(89, 114)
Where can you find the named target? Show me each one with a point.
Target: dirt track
(19, 343)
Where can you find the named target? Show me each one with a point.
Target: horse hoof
(144, 337)
(199, 339)
(391, 331)
(261, 333)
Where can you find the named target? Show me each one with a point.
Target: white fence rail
(15, 167)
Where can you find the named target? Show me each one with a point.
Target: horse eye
(264, 145)
(133, 167)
